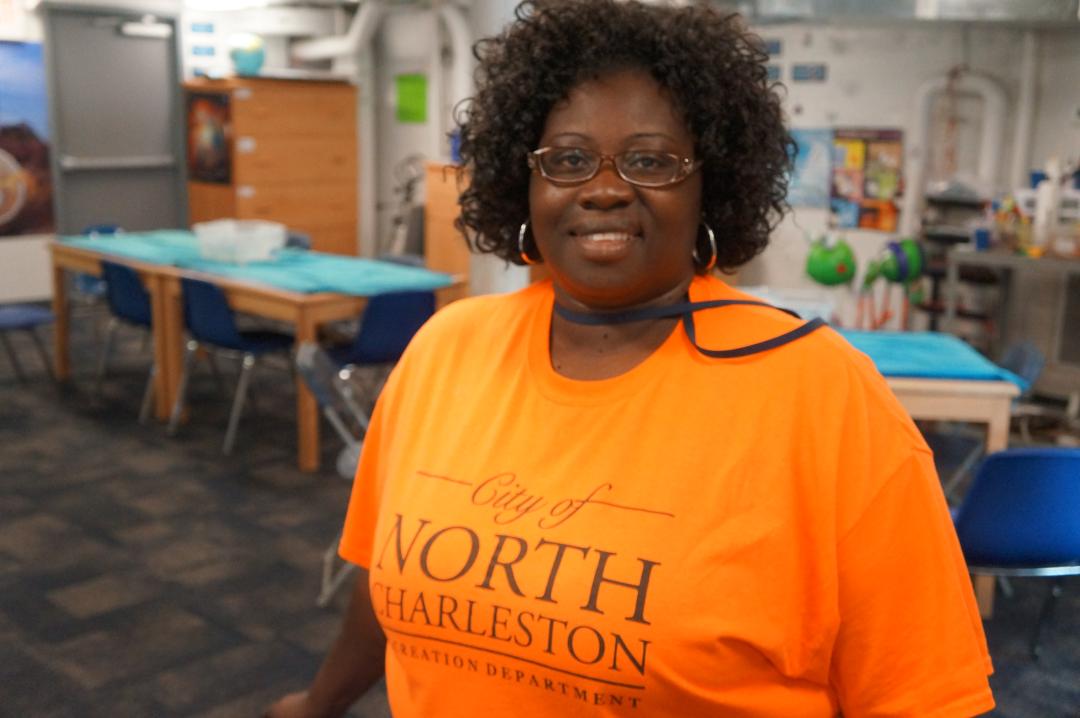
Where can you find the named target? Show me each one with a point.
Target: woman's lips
(604, 246)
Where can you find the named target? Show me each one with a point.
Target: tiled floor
(148, 576)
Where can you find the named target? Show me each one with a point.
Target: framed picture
(209, 138)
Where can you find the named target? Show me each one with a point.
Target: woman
(630, 491)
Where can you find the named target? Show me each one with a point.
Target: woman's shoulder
(482, 317)
(760, 320)
(822, 363)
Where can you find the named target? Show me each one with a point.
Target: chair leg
(1025, 430)
(181, 391)
(12, 358)
(46, 361)
(103, 356)
(332, 580)
(951, 484)
(1044, 617)
(216, 371)
(238, 402)
(344, 378)
(148, 396)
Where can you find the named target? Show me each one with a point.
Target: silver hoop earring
(712, 245)
(521, 244)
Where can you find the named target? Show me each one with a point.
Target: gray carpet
(148, 576)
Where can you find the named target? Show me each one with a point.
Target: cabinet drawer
(263, 159)
(336, 238)
(295, 110)
(298, 205)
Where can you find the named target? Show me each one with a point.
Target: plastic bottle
(1047, 204)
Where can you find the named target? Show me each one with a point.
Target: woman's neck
(591, 352)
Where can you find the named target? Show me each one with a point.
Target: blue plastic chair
(129, 303)
(387, 326)
(87, 287)
(1027, 361)
(298, 240)
(1021, 517)
(26, 318)
(212, 326)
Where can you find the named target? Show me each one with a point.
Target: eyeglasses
(644, 168)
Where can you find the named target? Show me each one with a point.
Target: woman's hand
(294, 705)
(356, 660)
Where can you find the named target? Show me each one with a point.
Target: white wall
(1057, 124)
(873, 75)
(488, 274)
(403, 46)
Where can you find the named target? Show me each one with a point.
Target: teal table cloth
(928, 355)
(291, 269)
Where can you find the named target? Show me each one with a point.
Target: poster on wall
(808, 185)
(208, 143)
(26, 190)
(867, 168)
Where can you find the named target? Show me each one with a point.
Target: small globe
(247, 53)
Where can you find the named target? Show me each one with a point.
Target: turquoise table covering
(169, 247)
(291, 269)
(929, 355)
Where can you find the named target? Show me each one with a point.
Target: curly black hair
(713, 68)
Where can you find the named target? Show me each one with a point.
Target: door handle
(71, 163)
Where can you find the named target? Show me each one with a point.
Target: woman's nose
(606, 190)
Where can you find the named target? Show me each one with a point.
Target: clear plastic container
(239, 241)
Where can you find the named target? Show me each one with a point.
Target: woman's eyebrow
(652, 136)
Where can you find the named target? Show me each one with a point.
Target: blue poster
(25, 175)
(809, 183)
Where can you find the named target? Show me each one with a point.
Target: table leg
(61, 343)
(307, 409)
(984, 594)
(997, 439)
(169, 342)
(154, 287)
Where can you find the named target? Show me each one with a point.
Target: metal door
(114, 99)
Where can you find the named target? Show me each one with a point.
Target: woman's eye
(569, 158)
(647, 160)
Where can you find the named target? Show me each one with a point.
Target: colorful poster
(209, 135)
(808, 185)
(867, 169)
(26, 190)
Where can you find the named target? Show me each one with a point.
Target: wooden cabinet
(445, 249)
(280, 150)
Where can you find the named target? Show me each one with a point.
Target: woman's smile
(605, 245)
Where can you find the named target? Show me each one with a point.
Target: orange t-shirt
(763, 536)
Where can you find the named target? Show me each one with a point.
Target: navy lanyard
(686, 311)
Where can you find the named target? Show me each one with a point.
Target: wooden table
(304, 311)
(979, 402)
